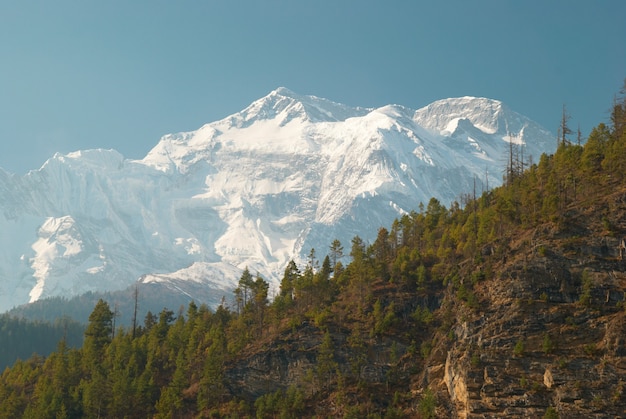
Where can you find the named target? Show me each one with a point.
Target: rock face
(550, 329)
(293, 359)
(285, 362)
(454, 377)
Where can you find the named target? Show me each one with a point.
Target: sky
(120, 74)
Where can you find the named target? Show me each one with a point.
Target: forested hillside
(509, 304)
(21, 339)
(133, 302)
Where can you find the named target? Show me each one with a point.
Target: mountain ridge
(255, 189)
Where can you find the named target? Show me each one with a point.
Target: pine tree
(326, 365)
(211, 385)
(564, 129)
(244, 290)
(324, 273)
(289, 278)
(259, 299)
(618, 113)
(98, 333)
(336, 253)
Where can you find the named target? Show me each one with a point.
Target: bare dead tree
(564, 129)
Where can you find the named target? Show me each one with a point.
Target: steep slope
(258, 188)
(550, 328)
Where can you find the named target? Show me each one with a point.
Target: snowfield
(256, 189)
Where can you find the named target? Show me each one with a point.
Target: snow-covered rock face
(256, 189)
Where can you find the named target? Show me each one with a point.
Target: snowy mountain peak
(256, 189)
(282, 90)
(479, 123)
(96, 159)
(486, 114)
(284, 106)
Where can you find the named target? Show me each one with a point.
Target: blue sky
(120, 74)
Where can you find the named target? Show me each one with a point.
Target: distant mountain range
(261, 187)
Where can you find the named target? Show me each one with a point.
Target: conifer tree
(564, 129)
(618, 113)
(336, 253)
(289, 278)
(324, 273)
(326, 364)
(244, 290)
(98, 332)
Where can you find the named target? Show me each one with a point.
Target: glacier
(256, 189)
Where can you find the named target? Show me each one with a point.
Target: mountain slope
(258, 188)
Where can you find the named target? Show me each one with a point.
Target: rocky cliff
(550, 328)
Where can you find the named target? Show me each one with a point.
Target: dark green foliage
(22, 338)
(547, 345)
(281, 404)
(427, 405)
(151, 297)
(326, 365)
(99, 331)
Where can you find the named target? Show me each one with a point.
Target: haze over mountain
(256, 189)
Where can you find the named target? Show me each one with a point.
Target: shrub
(587, 285)
(547, 345)
(475, 359)
(523, 382)
(542, 250)
(427, 405)
(551, 413)
(425, 349)
(518, 350)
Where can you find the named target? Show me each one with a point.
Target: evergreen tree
(211, 385)
(336, 253)
(289, 278)
(326, 270)
(259, 294)
(244, 290)
(326, 365)
(98, 333)
(618, 113)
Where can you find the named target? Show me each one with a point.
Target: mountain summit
(256, 189)
(290, 105)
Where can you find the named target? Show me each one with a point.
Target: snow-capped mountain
(256, 189)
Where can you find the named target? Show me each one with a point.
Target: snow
(451, 126)
(256, 189)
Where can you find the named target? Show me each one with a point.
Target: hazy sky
(120, 74)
